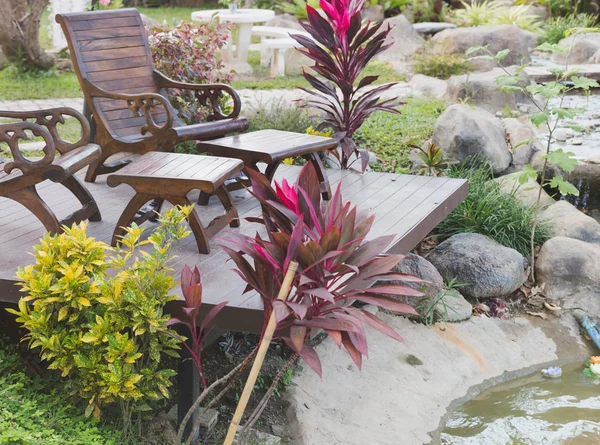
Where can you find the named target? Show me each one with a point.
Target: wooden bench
(160, 176)
(19, 178)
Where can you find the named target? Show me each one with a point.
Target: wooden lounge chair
(127, 101)
(125, 95)
(19, 177)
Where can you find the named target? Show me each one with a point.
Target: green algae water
(531, 410)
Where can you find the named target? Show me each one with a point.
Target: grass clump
(440, 64)
(389, 136)
(277, 115)
(489, 211)
(556, 27)
(36, 410)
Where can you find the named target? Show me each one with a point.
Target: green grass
(36, 410)
(389, 136)
(261, 80)
(16, 85)
(489, 211)
(555, 27)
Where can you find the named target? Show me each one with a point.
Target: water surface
(531, 411)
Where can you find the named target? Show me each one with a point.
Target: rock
(278, 430)
(431, 28)
(455, 308)
(462, 132)
(583, 48)
(480, 89)
(568, 267)
(565, 220)
(419, 266)
(498, 37)
(285, 21)
(260, 438)
(526, 193)
(560, 134)
(577, 142)
(405, 40)
(209, 420)
(491, 269)
(428, 86)
(374, 13)
(523, 140)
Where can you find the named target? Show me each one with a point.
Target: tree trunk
(19, 32)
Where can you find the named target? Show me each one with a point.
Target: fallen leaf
(552, 307)
(538, 314)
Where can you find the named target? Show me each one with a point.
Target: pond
(531, 410)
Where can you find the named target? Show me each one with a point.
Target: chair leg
(29, 198)
(92, 171)
(156, 208)
(315, 159)
(203, 199)
(89, 208)
(230, 209)
(129, 215)
(195, 224)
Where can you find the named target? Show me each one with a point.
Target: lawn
(15, 85)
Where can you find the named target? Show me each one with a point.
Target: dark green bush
(491, 212)
(555, 27)
(389, 136)
(439, 64)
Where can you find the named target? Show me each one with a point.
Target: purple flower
(552, 372)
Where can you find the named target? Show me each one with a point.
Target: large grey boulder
(498, 37)
(565, 220)
(581, 48)
(522, 137)
(462, 132)
(405, 40)
(568, 267)
(527, 193)
(480, 89)
(491, 269)
(419, 266)
(428, 86)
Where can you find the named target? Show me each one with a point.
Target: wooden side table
(271, 147)
(160, 176)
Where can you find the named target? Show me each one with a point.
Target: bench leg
(315, 159)
(278, 63)
(32, 201)
(89, 208)
(129, 216)
(198, 229)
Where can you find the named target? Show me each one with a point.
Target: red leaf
(394, 289)
(359, 341)
(299, 309)
(336, 336)
(354, 353)
(281, 310)
(297, 336)
(294, 245)
(330, 324)
(310, 356)
(387, 303)
(212, 314)
(375, 322)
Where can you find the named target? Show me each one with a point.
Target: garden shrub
(190, 53)
(439, 64)
(389, 136)
(35, 410)
(106, 332)
(489, 211)
(556, 27)
(277, 115)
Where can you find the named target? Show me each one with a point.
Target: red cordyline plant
(337, 266)
(341, 47)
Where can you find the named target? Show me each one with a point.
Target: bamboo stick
(260, 356)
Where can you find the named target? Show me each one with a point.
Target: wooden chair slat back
(110, 49)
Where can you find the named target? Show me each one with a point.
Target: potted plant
(232, 4)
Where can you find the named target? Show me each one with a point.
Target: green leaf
(552, 48)
(539, 118)
(501, 55)
(568, 113)
(475, 49)
(526, 174)
(584, 83)
(564, 160)
(564, 187)
(548, 90)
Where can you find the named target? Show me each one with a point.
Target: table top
(240, 16)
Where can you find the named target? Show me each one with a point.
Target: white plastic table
(244, 19)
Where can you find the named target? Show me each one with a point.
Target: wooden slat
(127, 73)
(116, 64)
(105, 23)
(114, 43)
(113, 54)
(107, 33)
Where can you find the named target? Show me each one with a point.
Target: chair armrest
(139, 104)
(11, 133)
(207, 94)
(70, 163)
(50, 118)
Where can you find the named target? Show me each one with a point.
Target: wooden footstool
(271, 147)
(159, 176)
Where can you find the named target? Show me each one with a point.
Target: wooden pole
(260, 356)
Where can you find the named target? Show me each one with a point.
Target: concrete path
(250, 99)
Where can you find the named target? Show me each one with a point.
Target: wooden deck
(406, 205)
